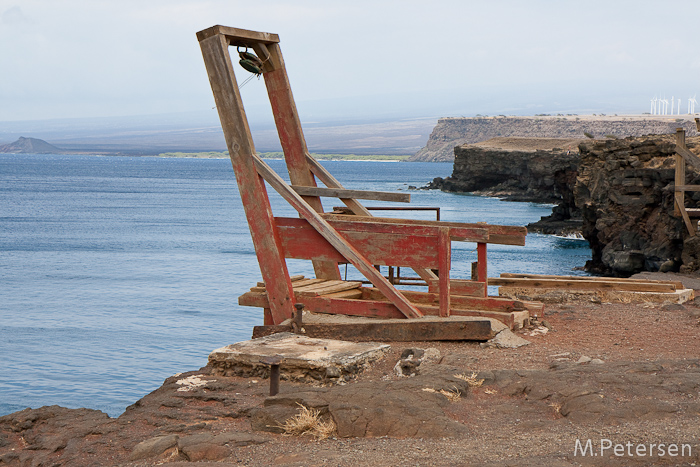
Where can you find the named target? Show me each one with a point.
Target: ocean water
(117, 272)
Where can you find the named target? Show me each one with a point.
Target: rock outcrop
(617, 192)
(537, 175)
(29, 146)
(624, 190)
(452, 132)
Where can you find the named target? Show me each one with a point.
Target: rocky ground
(625, 376)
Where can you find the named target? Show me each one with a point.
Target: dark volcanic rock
(528, 175)
(624, 191)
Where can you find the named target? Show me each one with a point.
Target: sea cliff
(617, 192)
(452, 132)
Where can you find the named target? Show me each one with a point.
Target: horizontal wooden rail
(678, 284)
(352, 194)
(500, 234)
(582, 284)
(236, 36)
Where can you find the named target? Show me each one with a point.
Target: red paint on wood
(444, 256)
(482, 270)
(251, 187)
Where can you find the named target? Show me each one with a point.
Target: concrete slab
(303, 358)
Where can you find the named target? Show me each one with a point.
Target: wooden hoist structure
(330, 238)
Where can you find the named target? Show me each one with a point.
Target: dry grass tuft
(309, 422)
(556, 406)
(471, 379)
(453, 395)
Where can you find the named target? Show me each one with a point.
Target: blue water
(117, 272)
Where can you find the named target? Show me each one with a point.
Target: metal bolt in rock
(274, 363)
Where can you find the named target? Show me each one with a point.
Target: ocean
(118, 272)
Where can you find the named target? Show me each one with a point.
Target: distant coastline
(279, 155)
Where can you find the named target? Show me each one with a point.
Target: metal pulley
(250, 62)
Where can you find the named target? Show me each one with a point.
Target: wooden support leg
(267, 314)
(482, 272)
(444, 257)
(292, 139)
(250, 185)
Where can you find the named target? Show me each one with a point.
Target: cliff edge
(452, 132)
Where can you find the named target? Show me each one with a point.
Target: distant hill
(30, 146)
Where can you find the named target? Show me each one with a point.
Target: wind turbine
(673, 100)
(693, 102)
(653, 107)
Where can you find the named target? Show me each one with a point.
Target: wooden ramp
(328, 239)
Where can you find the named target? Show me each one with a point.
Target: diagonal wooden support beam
(335, 239)
(358, 209)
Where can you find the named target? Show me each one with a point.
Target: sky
(352, 59)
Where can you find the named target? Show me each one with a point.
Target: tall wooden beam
(292, 138)
(250, 185)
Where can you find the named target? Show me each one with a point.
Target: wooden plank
(336, 240)
(331, 182)
(686, 219)
(500, 234)
(306, 282)
(353, 293)
(444, 258)
(678, 284)
(393, 331)
(301, 241)
(236, 36)
(382, 308)
(693, 212)
(352, 194)
(293, 143)
(295, 284)
(462, 287)
(345, 285)
(499, 304)
(689, 157)
(361, 224)
(252, 189)
(298, 277)
(687, 188)
(679, 197)
(481, 268)
(581, 284)
(316, 285)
